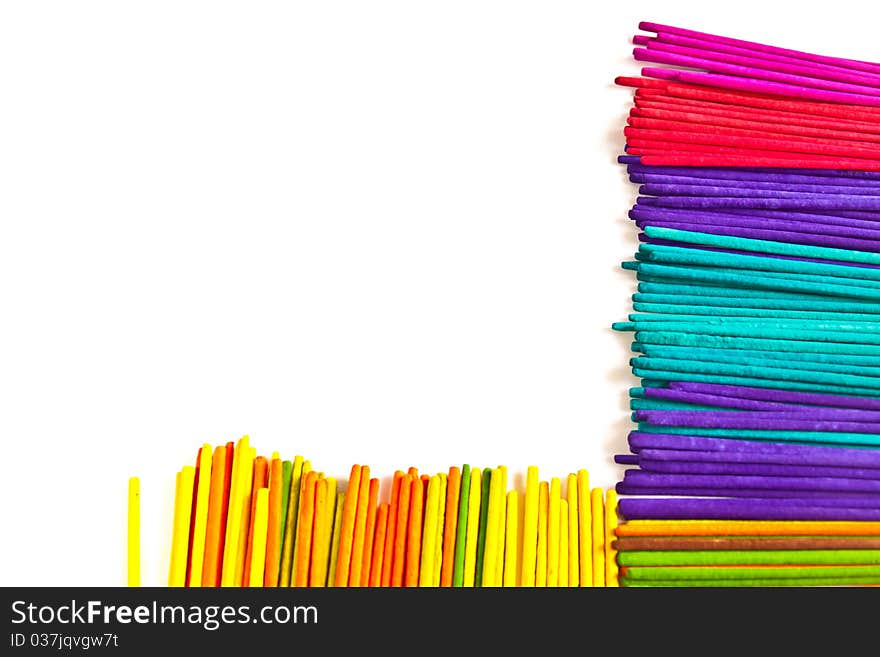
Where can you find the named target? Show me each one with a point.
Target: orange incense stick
(216, 528)
(346, 536)
(388, 551)
(378, 557)
(273, 537)
(450, 525)
(360, 528)
(321, 524)
(304, 530)
(372, 510)
(414, 533)
(399, 558)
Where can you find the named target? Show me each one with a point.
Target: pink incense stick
(871, 67)
(809, 71)
(715, 46)
(761, 86)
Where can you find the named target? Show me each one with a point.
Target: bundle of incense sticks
(247, 520)
(756, 318)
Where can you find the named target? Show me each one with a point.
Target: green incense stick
(756, 582)
(461, 527)
(749, 572)
(746, 557)
(481, 531)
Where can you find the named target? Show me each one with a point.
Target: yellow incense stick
(573, 558)
(429, 534)
(261, 526)
(237, 494)
(473, 525)
(598, 522)
(441, 521)
(134, 530)
(246, 482)
(585, 531)
(334, 543)
(610, 526)
(290, 525)
(512, 569)
(180, 533)
(553, 532)
(490, 548)
(203, 492)
(530, 528)
(563, 543)
(543, 509)
(502, 525)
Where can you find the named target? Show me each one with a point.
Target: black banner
(137, 621)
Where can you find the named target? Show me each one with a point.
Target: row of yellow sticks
(247, 520)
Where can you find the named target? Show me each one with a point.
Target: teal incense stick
(683, 255)
(763, 246)
(699, 290)
(722, 303)
(652, 273)
(786, 383)
(842, 333)
(738, 365)
(655, 268)
(648, 336)
(815, 360)
(682, 311)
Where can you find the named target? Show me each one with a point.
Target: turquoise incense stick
(815, 360)
(682, 339)
(735, 302)
(762, 246)
(716, 291)
(782, 382)
(682, 255)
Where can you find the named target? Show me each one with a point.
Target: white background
(385, 233)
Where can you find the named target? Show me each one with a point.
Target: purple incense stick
(801, 498)
(756, 482)
(777, 395)
(804, 458)
(735, 509)
(665, 466)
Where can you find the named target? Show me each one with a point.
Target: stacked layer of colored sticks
(247, 520)
(756, 318)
